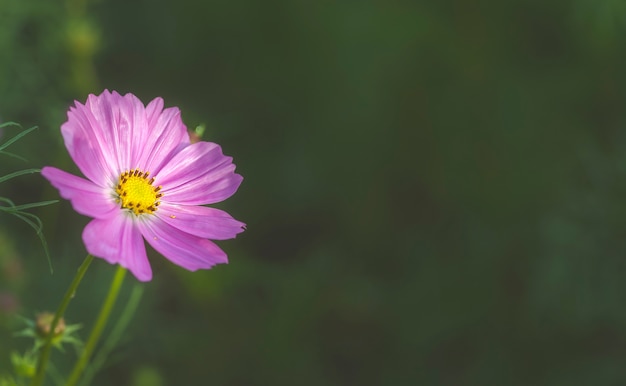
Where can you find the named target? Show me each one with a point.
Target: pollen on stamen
(136, 193)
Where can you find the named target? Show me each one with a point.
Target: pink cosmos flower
(145, 180)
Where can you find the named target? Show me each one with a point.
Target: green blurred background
(434, 191)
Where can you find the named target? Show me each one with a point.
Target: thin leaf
(6, 124)
(13, 155)
(16, 138)
(18, 173)
(34, 205)
(38, 229)
(7, 201)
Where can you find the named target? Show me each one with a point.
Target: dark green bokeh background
(434, 191)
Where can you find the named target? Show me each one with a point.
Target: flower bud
(43, 322)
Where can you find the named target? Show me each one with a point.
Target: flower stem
(116, 333)
(101, 321)
(69, 294)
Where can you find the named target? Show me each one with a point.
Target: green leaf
(13, 155)
(17, 137)
(18, 173)
(36, 224)
(33, 205)
(7, 201)
(18, 210)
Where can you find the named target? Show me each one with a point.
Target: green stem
(69, 294)
(101, 321)
(116, 333)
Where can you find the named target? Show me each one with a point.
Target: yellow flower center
(136, 193)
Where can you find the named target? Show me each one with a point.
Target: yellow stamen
(136, 193)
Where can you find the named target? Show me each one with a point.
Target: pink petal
(113, 133)
(83, 136)
(183, 249)
(199, 174)
(208, 223)
(86, 197)
(126, 123)
(118, 241)
(104, 115)
(102, 133)
(164, 136)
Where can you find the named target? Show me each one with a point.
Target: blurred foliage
(434, 191)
